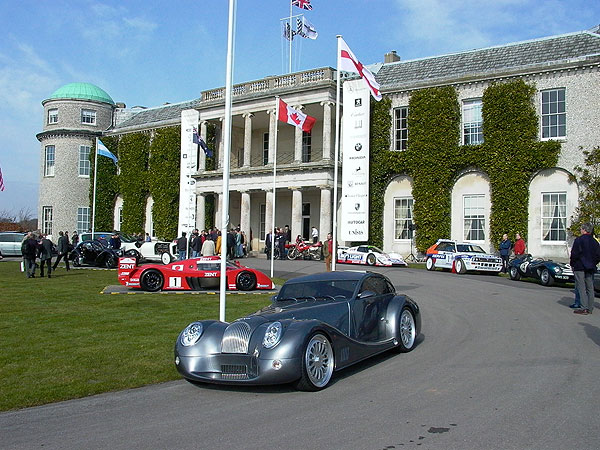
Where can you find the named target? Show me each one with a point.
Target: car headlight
(120, 252)
(557, 269)
(272, 335)
(191, 334)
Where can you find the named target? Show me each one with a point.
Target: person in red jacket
(519, 247)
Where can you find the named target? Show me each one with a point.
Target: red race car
(190, 275)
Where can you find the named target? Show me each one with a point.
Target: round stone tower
(74, 116)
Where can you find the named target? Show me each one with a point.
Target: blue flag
(198, 140)
(102, 150)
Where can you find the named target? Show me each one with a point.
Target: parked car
(163, 251)
(369, 255)
(191, 274)
(461, 256)
(545, 270)
(10, 243)
(95, 253)
(316, 324)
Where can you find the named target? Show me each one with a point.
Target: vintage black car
(317, 324)
(547, 271)
(95, 253)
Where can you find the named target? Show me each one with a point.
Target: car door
(369, 309)
(446, 252)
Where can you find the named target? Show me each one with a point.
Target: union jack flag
(1, 181)
(302, 4)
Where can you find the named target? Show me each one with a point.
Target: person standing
(195, 244)
(62, 247)
(45, 252)
(75, 239)
(327, 251)
(585, 255)
(182, 246)
(314, 234)
(208, 247)
(114, 242)
(520, 246)
(505, 246)
(148, 238)
(29, 251)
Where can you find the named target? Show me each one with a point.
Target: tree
(589, 192)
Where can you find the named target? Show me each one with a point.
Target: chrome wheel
(371, 259)
(408, 332)
(545, 278)
(429, 264)
(318, 360)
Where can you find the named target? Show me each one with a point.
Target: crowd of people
(37, 246)
(210, 243)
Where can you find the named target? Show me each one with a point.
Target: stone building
(74, 115)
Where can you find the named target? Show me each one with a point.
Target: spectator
(314, 234)
(208, 247)
(585, 255)
(195, 244)
(29, 251)
(75, 239)
(114, 242)
(148, 238)
(519, 247)
(45, 253)
(327, 251)
(62, 248)
(182, 246)
(505, 246)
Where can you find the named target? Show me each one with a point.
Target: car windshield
(469, 248)
(317, 289)
(375, 249)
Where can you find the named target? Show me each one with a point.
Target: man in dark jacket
(182, 246)
(505, 247)
(585, 255)
(29, 249)
(45, 252)
(62, 247)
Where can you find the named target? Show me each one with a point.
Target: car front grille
(234, 372)
(236, 338)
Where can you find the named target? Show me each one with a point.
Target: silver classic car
(316, 325)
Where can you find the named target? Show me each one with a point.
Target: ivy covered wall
(107, 185)
(510, 155)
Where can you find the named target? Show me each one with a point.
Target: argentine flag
(102, 150)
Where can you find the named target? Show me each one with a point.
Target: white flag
(306, 29)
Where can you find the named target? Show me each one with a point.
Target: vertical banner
(188, 166)
(355, 162)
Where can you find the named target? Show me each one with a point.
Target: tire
(76, 262)
(407, 331)
(317, 364)
(246, 281)
(460, 267)
(134, 254)
(430, 263)
(545, 277)
(371, 259)
(292, 253)
(110, 263)
(513, 273)
(166, 258)
(152, 280)
(316, 255)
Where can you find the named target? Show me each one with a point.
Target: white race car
(461, 256)
(369, 255)
(153, 251)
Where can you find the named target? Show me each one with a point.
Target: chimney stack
(391, 57)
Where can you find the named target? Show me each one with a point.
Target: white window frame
(52, 116)
(400, 128)
(547, 215)
(84, 161)
(473, 209)
(88, 116)
(472, 121)
(552, 110)
(47, 218)
(49, 160)
(406, 221)
(83, 219)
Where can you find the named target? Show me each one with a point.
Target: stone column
(272, 143)
(268, 211)
(201, 154)
(325, 223)
(245, 213)
(326, 129)
(296, 212)
(218, 209)
(247, 139)
(200, 211)
(221, 143)
(298, 140)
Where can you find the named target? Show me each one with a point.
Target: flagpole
(95, 179)
(291, 39)
(226, 159)
(274, 174)
(337, 153)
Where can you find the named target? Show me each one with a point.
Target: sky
(147, 53)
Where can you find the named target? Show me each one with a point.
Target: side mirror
(366, 294)
(274, 299)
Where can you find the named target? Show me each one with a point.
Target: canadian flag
(294, 117)
(350, 63)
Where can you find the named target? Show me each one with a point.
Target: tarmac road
(500, 365)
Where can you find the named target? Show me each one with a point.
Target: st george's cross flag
(102, 150)
(294, 117)
(302, 4)
(350, 63)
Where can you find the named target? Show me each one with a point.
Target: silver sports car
(316, 325)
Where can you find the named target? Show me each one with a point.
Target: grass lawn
(61, 339)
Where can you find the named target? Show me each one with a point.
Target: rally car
(461, 257)
(191, 275)
(369, 255)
